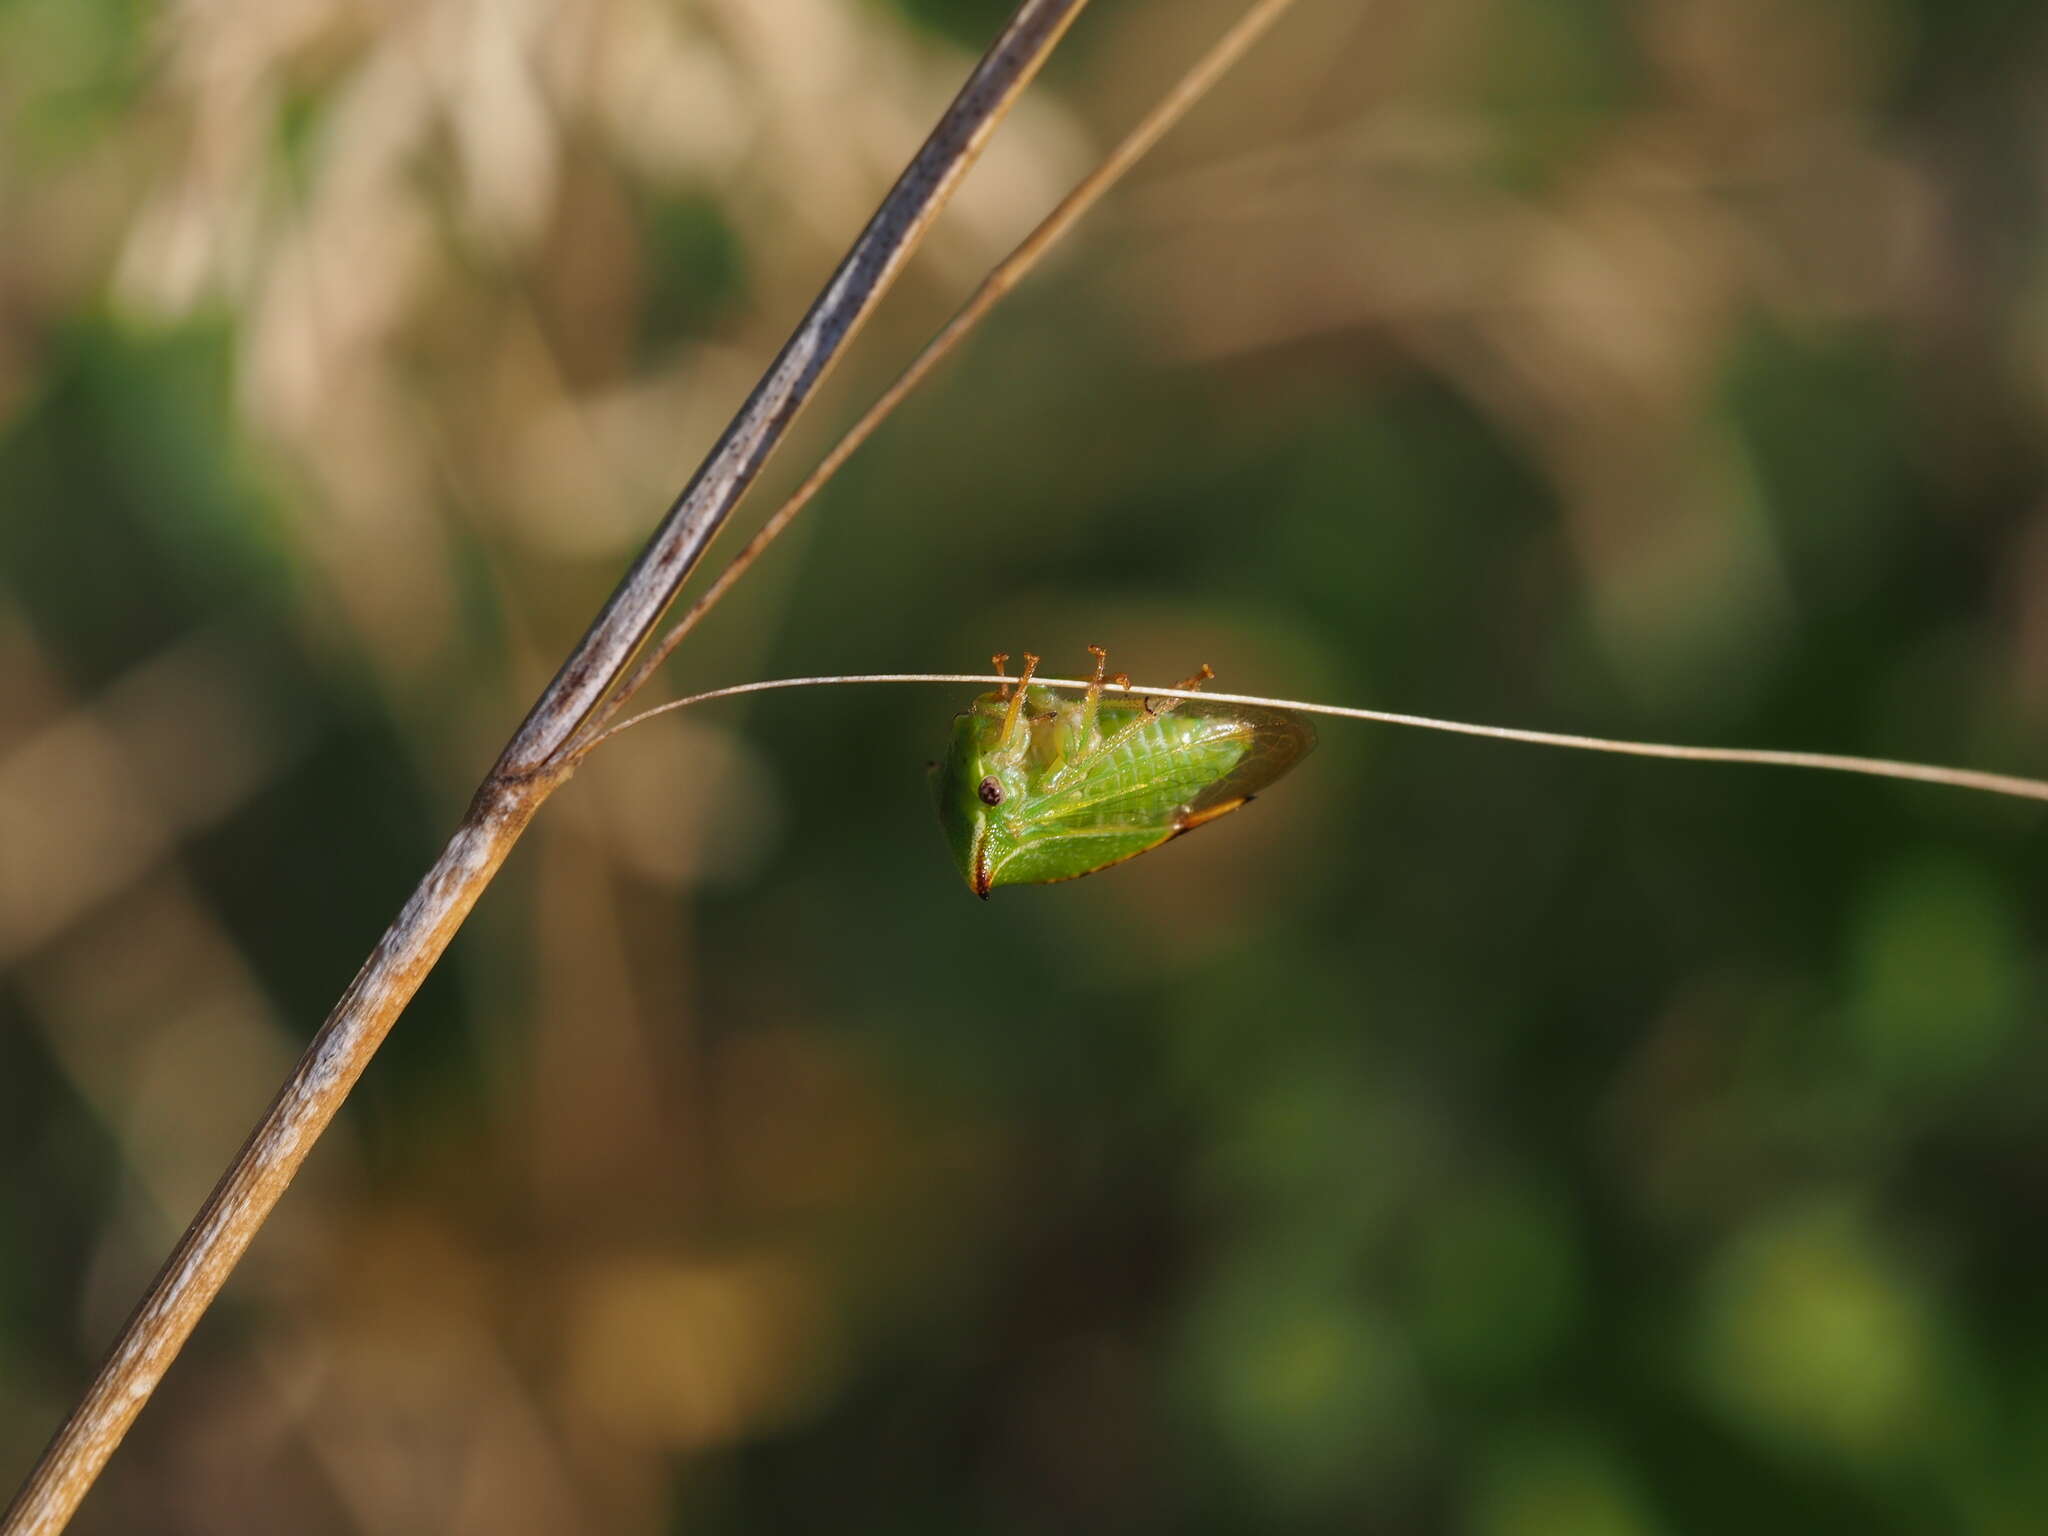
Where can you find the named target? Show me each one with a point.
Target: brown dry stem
(530, 768)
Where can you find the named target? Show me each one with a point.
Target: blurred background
(1467, 1138)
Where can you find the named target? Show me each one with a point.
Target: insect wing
(1278, 741)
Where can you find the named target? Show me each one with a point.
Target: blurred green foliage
(1464, 1138)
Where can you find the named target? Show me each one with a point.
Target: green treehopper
(1036, 787)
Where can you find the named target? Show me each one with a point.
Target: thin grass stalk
(1766, 757)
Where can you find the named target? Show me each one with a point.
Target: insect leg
(1092, 705)
(1161, 706)
(1154, 708)
(1010, 718)
(1085, 742)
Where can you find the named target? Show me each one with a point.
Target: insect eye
(990, 791)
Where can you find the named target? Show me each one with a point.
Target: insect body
(1037, 788)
